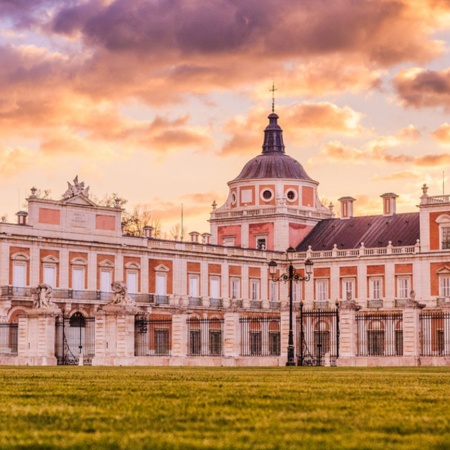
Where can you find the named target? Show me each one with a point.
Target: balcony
(161, 299)
(442, 301)
(255, 304)
(275, 305)
(321, 304)
(195, 301)
(375, 303)
(216, 302)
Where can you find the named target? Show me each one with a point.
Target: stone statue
(42, 295)
(76, 189)
(121, 297)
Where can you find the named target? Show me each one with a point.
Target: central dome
(273, 162)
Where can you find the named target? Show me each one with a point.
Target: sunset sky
(163, 101)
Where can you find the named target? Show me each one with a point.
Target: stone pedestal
(284, 334)
(231, 338)
(347, 337)
(114, 335)
(36, 339)
(179, 338)
(411, 335)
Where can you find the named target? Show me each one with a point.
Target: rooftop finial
(273, 96)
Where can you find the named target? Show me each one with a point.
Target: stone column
(36, 338)
(411, 334)
(284, 334)
(347, 333)
(179, 338)
(114, 335)
(232, 338)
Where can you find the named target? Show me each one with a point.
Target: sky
(162, 102)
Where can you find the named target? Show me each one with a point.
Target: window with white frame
(214, 287)
(132, 281)
(273, 291)
(443, 222)
(261, 242)
(403, 287)
(19, 275)
(444, 286)
(254, 289)
(20, 263)
(161, 284)
(78, 277)
(49, 275)
(297, 292)
(194, 283)
(235, 288)
(348, 289)
(375, 288)
(322, 290)
(105, 280)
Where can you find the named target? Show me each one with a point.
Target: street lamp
(290, 275)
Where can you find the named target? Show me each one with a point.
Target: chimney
(389, 203)
(22, 217)
(206, 238)
(346, 207)
(194, 236)
(148, 231)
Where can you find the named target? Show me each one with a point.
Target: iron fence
(75, 336)
(435, 333)
(317, 336)
(205, 336)
(8, 338)
(379, 334)
(260, 336)
(152, 336)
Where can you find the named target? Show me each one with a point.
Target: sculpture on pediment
(78, 187)
(121, 296)
(42, 295)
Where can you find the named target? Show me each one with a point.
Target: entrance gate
(75, 335)
(318, 337)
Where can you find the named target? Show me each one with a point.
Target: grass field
(218, 408)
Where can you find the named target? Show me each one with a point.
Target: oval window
(267, 195)
(291, 195)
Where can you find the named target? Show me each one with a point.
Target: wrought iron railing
(435, 333)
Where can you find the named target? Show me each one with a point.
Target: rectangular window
(445, 238)
(132, 282)
(214, 287)
(444, 286)
(50, 275)
(348, 289)
(215, 342)
(235, 288)
(255, 343)
(254, 289)
(375, 288)
(105, 280)
(296, 292)
(261, 243)
(322, 290)
(162, 341)
(19, 275)
(274, 343)
(195, 342)
(193, 285)
(77, 278)
(273, 291)
(160, 284)
(403, 287)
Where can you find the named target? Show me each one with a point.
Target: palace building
(75, 290)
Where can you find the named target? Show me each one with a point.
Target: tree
(177, 233)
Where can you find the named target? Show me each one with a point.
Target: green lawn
(224, 408)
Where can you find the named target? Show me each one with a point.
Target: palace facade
(75, 290)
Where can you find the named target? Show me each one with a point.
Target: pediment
(78, 199)
(445, 270)
(106, 263)
(50, 259)
(443, 218)
(161, 268)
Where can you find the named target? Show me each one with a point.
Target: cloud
(407, 175)
(303, 120)
(14, 160)
(409, 133)
(420, 88)
(442, 134)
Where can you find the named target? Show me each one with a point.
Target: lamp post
(289, 276)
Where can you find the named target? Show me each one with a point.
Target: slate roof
(374, 231)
